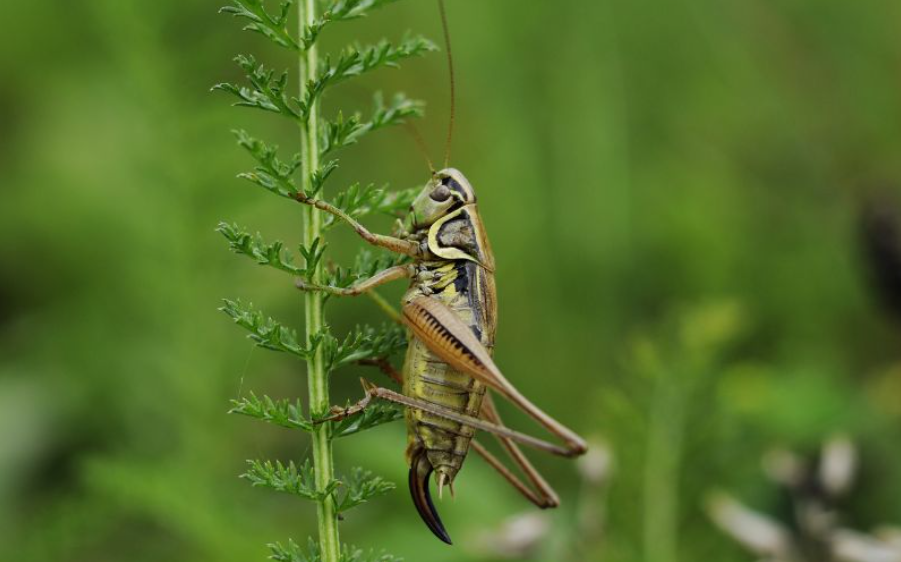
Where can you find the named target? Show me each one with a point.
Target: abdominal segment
(445, 442)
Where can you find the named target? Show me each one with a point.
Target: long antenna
(450, 68)
(420, 144)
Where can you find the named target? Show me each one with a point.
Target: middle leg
(360, 287)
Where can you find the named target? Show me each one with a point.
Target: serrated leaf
(366, 264)
(271, 173)
(283, 413)
(265, 331)
(273, 27)
(292, 552)
(354, 61)
(267, 90)
(297, 480)
(359, 487)
(360, 200)
(364, 342)
(319, 177)
(342, 132)
(376, 414)
(312, 255)
(272, 254)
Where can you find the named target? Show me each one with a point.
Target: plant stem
(317, 378)
(662, 466)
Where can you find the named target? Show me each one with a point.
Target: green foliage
(354, 490)
(343, 132)
(366, 264)
(290, 478)
(378, 413)
(355, 61)
(320, 175)
(267, 90)
(358, 201)
(289, 414)
(273, 27)
(271, 254)
(284, 413)
(359, 487)
(292, 552)
(267, 332)
(669, 378)
(739, 182)
(272, 174)
(365, 342)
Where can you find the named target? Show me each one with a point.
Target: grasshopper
(450, 310)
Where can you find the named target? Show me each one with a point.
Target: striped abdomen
(461, 286)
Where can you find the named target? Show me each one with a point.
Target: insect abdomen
(426, 377)
(446, 442)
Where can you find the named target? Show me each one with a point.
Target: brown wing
(448, 337)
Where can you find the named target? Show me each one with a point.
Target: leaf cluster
(272, 254)
(364, 342)
(342, 132)
(268, 89)
(267, 332)
(366, 264)
(293, 552)
(356, 489)
(289, 478)
(284, 413)
(359, 487)
(358, 201)
(273, 27)
(376, 414)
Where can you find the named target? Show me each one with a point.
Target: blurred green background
(673, 192)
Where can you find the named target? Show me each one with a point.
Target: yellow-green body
(450, 310)
(428, 378)
(461, 277)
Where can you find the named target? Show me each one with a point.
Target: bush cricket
(450, 310)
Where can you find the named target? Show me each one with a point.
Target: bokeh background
(676, 196)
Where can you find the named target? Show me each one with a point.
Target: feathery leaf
(283, 413)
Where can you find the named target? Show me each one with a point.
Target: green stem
(662, 466)
(317, 378)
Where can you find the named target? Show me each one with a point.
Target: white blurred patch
(757, 532)
(838, 465)
(596, 465)
(517, 537)
(850, 546)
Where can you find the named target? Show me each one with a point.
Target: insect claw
(420, 471)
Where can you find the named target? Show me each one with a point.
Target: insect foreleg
(391, 243)
(360, 287)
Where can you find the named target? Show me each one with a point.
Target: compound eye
(440, 193)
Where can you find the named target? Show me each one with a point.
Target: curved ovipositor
(420, 472)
